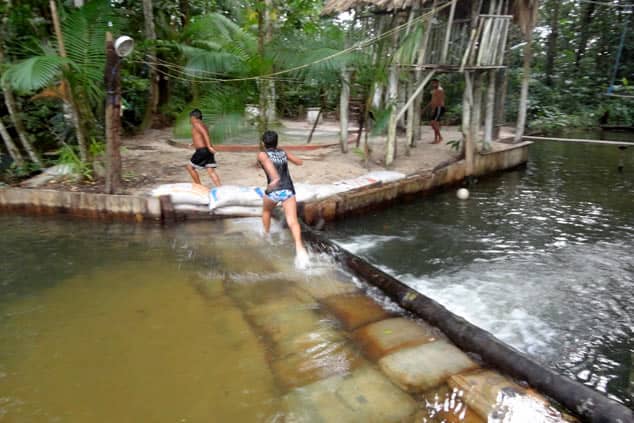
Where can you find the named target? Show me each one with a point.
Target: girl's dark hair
(196, 114)
(269, 138)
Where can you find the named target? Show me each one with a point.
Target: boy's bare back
(198, 134)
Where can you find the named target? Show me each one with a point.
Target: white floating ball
(462, 194)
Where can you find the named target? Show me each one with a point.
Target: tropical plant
(76, 77)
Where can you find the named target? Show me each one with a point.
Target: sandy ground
(149, 160)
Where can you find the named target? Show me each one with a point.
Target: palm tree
(73, 72)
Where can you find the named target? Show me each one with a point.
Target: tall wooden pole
(113, 118)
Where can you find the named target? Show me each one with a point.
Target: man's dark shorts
(438, 112)
(203, 158)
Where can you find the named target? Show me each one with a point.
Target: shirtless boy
(203, 158)
(437, 105)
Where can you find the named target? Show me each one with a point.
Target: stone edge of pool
(584, 402)
(314, 213)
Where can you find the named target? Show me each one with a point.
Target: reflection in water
(541, 257)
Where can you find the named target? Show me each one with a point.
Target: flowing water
(542, 257)
(210, 322)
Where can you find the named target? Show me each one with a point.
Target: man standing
(437, 105)
(203, 158)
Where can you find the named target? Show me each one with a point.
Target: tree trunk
(12, 149)
(526, 76)
(269, 84)
(467, 135)
(490, 112)
(392, 95)
(151, 107)
(476, 107)
(420, 60)
(500, 102)
(183, 5)
(23, 135)
(12, 108)
(584, 33)
(80, 131)
(344, 105)
(552, 41)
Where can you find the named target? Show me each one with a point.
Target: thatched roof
(337, 6)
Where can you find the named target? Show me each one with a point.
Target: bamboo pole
(476, 108)
(445, 48)
(68, 91)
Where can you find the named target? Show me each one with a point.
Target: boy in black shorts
(203, 158)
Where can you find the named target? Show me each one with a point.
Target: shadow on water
(541, 257)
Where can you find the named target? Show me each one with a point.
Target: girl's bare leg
(290, 211)
(267, 208)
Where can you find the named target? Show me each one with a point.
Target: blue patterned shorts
(281, 195)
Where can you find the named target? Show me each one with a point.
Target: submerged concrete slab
(354, 311)
(494, 396)
(321, 288)
(284, 318)
(418, 369)
(386, 336)
(364, 395)
(322, 359)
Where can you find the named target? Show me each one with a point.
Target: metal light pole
(114, 52)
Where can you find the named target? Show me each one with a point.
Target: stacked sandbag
(184, 193)
(233, 195)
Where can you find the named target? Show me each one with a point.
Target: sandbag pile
(234, 200)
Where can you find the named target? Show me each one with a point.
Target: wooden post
(526, 76)
(312, 130)
(445, 48)
(68, 92)
(112, 118)
(490, 111)
(390, 147)
(344, 106)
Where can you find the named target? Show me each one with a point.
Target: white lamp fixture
(123, 46)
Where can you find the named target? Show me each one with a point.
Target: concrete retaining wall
(40, 201)
(383, 194)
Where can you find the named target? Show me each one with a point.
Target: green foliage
(454, 144)
(35, 73)
(68, 156)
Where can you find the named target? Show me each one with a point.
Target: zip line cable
(357, 46)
